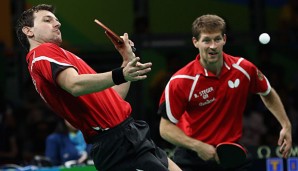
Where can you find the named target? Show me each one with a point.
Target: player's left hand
(125, 49)
(135, 70)
(285, 142)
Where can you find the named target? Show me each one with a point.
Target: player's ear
(194, 41)
(27, 31)
(225, 38)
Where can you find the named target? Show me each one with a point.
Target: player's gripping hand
(207, 152)
(135, 70)
(125, 48)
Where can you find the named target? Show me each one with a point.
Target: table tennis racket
(112, 34)
(230, 154)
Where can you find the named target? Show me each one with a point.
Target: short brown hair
(27, 19)
(208, 23)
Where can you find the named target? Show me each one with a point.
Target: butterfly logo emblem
(234, 84)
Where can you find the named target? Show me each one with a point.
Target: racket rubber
(231, 155)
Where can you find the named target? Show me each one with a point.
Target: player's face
(46, 28)
(210, 46)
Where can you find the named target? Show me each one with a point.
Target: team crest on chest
(206, 95)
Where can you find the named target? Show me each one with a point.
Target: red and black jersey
(211, 106)
(104, 109)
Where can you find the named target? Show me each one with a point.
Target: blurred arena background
(161, 31)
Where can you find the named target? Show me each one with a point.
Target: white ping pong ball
(264, 38)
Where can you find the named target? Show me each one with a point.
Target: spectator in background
(8, 139)
(65, 144)
(37, 126)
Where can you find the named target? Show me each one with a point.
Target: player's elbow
(165, 133)
(71, 82)
(163, 129)
(74, 89)
(76, 92)
(162, 134)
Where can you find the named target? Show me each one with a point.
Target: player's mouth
(213, 53)
(57, 31)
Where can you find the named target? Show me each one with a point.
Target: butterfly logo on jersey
(234, 84)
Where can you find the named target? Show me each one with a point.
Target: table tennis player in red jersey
(209, 95)
(92, 102)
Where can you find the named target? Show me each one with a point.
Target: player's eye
(217, 39)
(47, 20)
(206, 40)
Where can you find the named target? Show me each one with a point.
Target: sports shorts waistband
(117, 128)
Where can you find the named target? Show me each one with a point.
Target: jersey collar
(226, 67)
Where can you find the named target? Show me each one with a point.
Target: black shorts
(188, 160)
(127, 147)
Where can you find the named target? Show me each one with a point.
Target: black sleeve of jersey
(163, 111)
(56, 69)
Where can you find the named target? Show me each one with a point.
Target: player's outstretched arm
(81, 84)
(274, 105)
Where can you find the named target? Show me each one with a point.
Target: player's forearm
(122, 89)
(274, 105)
(176, 136)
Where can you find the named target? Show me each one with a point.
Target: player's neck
(215, 68)
(33, 44)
